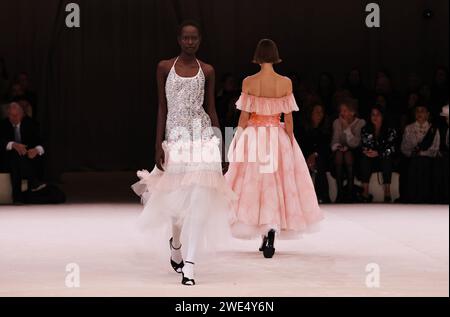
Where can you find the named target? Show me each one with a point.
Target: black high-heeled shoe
(264, 243)
(187, 281)
(269, 249)
(177, 267)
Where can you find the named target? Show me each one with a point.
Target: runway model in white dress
(186, 189)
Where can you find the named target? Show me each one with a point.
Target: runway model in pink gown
(267, 168)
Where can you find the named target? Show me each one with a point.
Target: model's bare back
(269, 85)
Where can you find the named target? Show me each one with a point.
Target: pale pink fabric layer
(267, 106)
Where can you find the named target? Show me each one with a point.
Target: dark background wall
(96, 84)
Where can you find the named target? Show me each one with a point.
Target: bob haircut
(266, 52)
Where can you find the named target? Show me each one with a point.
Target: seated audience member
(420, 145)
(314, 136)
(22, 150)
(345, 143)
(378, 141)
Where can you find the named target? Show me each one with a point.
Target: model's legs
(366, 166)
(386, 166)
(348, 158)
(175, 249)
(338, 163)
(195, 232)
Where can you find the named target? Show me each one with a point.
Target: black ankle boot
(263, 244)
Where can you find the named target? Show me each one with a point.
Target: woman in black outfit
(378, 142)
(315, 137)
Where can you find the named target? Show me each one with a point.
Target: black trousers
(417, 180)
(376, 164)
(344, 170)
(20, 168)
(321, 181)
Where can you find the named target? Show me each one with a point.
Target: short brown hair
(266, 52)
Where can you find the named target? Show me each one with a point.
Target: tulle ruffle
(187, 164)
(267, 106)
(159, 182)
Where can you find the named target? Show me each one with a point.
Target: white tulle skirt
(193, 195)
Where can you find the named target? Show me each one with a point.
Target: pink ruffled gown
(270, 175)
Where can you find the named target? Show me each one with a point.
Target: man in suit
(22, 151)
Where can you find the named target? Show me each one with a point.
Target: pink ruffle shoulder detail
(267, 106)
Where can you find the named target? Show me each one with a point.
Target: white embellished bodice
(186, 117)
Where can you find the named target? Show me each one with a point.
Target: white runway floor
(410, 244)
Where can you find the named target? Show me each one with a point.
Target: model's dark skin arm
(161, 76)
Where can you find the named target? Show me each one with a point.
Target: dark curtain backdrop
(96, 84)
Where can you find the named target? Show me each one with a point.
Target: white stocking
(196, 232)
